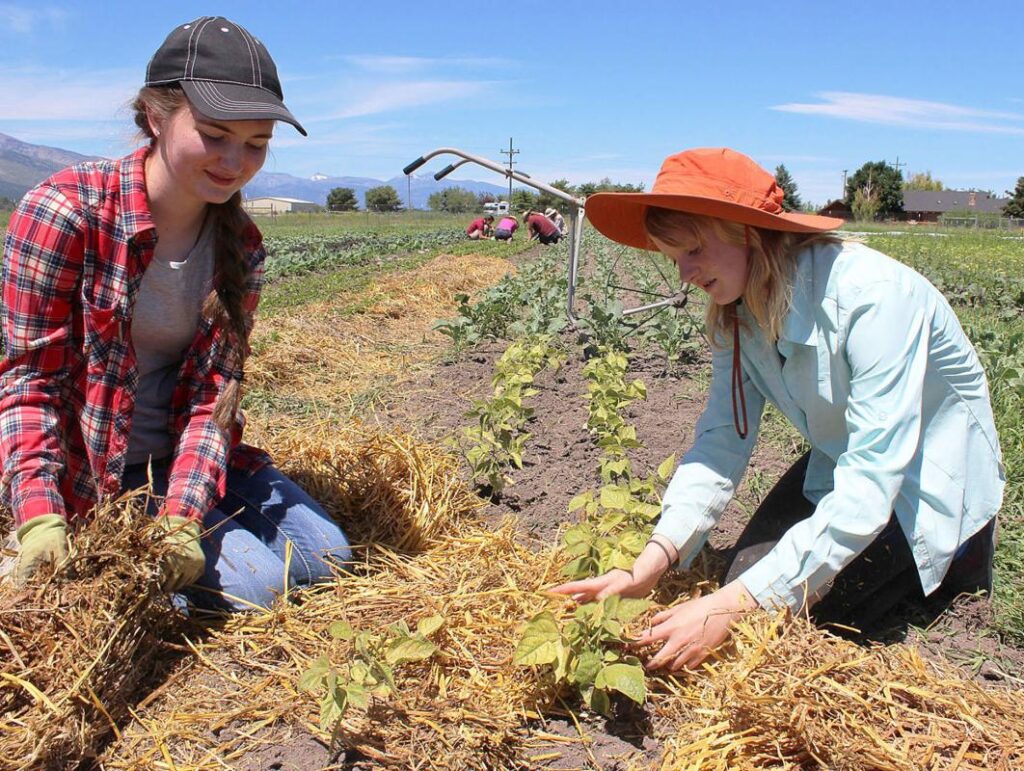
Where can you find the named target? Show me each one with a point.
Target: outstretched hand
(617, 581)
(692, 630)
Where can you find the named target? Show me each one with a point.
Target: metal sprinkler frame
(577, 213)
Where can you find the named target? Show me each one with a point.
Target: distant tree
(865, 205)
(383, 198)
(454, 200)
(483, 198)
(544, 200)
(342, 199)
(523, 200)
(880, 184)
(790, 199)
(1015, 206)
(923, 181)
(605, 185)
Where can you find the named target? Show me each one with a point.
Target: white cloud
(23, 20)
(36, 94)
(912, 113)
(387, 97)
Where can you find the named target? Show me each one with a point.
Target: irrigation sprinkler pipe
(576, 217)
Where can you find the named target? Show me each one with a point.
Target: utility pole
(844, 185)
(408, 197)
(510, 152)
(897, 166)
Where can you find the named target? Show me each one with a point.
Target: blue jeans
(246, 537)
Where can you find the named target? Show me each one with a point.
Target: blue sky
(586, 89)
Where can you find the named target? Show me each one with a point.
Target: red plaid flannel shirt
(74, 255)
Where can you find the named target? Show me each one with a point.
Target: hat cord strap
(737, 365)
(737, 379)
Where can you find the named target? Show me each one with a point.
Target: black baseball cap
(226, 73)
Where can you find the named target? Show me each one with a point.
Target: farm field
(478, 449)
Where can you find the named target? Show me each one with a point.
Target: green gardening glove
(184, 560)
(43, 539)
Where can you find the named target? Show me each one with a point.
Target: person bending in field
(128, 293)
(898, 494)
(481, 227)
(507, 227)
(541, 228)
(555, 216)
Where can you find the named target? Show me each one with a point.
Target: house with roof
(929, 205)
(837, 208)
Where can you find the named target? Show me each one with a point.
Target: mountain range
(23, 165)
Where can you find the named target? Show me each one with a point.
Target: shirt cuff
(765, 583)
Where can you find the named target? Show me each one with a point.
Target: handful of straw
(79, 641)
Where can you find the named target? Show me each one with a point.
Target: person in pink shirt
(506, 227)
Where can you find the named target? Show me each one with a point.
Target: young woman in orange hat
(898, 495)
(129, 289)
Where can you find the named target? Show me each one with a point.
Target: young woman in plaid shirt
(128, 294)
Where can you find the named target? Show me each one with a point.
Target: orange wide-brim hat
(711, 181)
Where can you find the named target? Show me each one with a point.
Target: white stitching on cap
(190, 62)
(253, 59)
(214, 98)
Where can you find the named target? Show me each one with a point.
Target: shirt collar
(799, 325)
(136, 220)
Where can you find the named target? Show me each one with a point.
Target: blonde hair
(225, 303)
(772, 260)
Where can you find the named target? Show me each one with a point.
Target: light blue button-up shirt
(877, 374)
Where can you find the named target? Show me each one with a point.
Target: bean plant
(587, 654)
(370, 671)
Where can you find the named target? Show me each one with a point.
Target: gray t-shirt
(165, 321)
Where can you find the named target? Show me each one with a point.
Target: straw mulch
(386, 489)
(462, 708)
(794, 696)
(338, 359)
(78, 643)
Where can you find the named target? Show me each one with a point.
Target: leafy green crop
(587, 653)
(370, 670)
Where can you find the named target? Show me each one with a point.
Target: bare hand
(692, 630)
(617, 581)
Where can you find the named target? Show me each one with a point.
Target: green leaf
(359, 672)
(357, 696)
(427, 626)
(629, 609)
(614, 497)
(587, 666)
(627, 679)
(580, 500)
(541, 642)
(598, 701)
(406, 649)
(331, 710)
(667, 467)
(313, 677)
(341, 630)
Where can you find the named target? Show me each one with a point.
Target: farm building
(277, 205)
(836, 208)
(929, 205)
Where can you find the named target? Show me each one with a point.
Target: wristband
(664, 548)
